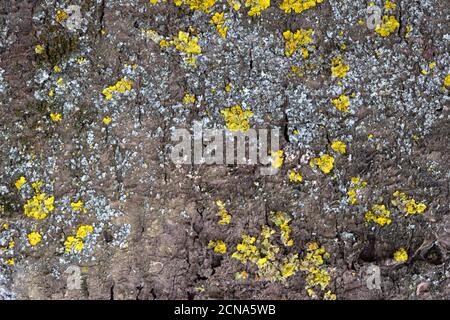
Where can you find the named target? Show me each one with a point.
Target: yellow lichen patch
(295, 177)
(356, 185)
(38, 49)
(218, 20)
(152, 35)
(324, 163)
(297, 71)
(298, 6)
(341, 103)
(78, 206)
(61, 15)
(164, 43)
(235, 4)
(55, 116)
(339, 146)
(60, 82)
(218, 246)
(189, 99)
(121, 86)
(39, 206)
(81, 60)
(225, 217)
(201, 5)
(262, 252)
(236, 118)
(338, 67)
(296, 39)
(20, 182)
(34, 238)
(388, 26)
(282, 220)
(256, 6)
(378, 214)
(75, 243)
(246, 250)
(388, 5)
(447, 81)
(407, 205)
(318, 276)
(10, 261)
(277, 158)
(107, 120)
(189, 45)
(84, 230)
(401, 255)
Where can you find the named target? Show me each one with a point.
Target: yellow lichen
(356, 185)
(236, 118)
(388, 26)
(55, 116)
(262, 252)
(341, 103)
(447, 81)
(121, 86)
(296, 39)
(277, 158)
(295, 177)
(78, 206)
(235, 4)
(246, 250)
(338, 67)
(40, 205)
(218, 246)
(407, 205)
(75, 243)
(38, 49)
(389, 5)
(318, 276)
(339, 146)
(225, 217)
(378, 214)
(324, 162)
(298, 6)
(201, 5)
(218, 20)
(188, 45)
(256, 6)
(34, 238)
(20, 182)
(107, 120)
(401, 255)
(61, 15)
(189, 99)
(282, 220)
(83, 231)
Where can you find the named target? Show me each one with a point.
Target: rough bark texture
(153, 220)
